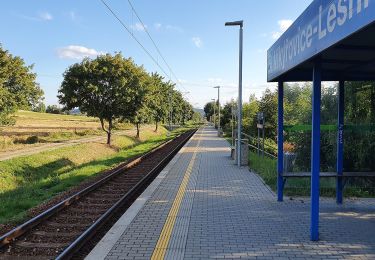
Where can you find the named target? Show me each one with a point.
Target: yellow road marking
(165, 235)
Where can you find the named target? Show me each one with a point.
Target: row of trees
(359, 133)
(114, 88)
(18, 87)
(109, 87)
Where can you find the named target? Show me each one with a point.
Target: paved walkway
(202, 206)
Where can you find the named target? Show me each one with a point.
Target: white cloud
(138, 27)
(174, 28)
(39, 17)
(76, 52)
(157, 26)
(197, 42)
(261, 50)
(276, 35)
(171, 28)
(45, 16)
(215, 80)
(73, 16)
(284, 24)
(182, 81)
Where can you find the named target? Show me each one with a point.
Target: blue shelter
(330, 41)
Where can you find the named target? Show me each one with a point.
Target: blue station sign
(323, 24)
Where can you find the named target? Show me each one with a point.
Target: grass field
(33, 129)
(31, 122)
(28, 181)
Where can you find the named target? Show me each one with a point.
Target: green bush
(32, 139)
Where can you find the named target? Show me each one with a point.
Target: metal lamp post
(214, 100)
(239, 23)
(232, 124)
(218, 101)
(170, 110)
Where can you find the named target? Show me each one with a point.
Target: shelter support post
(340, 143)
(280, 142)
(315, 151)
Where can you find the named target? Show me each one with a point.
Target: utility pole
(214, 100)
(170, 110)
(233, 123)
(218, 101)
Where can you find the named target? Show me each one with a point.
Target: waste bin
(289, 160)
(232, 152)
(220, 133)
(244, 152)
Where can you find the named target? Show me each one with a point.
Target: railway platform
(202, 206)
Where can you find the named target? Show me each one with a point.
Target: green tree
(359, 134)
(177, 107)
(197, 118)
(41, 107)
(249, 119)
(209, 109)
(226, 115)
(108, 87)
(142, 116)
(144, 113)
(268, 105)
(18, 87)
(187, 113)
(297, 96)
(7, 107)
(53, 109)
(159, 103)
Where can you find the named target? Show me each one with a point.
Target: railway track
(72, 227)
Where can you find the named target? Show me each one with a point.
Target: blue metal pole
(340, 142)
(315, 152)
(280, 142)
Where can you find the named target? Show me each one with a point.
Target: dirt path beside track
(6, 155)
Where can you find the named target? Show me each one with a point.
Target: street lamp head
(217, 87)
(236, 23)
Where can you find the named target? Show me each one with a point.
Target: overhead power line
(155, 45)
(135, 38)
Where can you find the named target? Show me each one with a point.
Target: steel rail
(87, 235)
(10, 236)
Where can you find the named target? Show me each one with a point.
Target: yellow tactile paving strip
(165, 235)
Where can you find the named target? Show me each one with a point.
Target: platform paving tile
(229, 213)
(151, 218)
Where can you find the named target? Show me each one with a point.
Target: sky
(190, 34)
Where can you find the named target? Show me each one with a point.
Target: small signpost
(260, 126)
